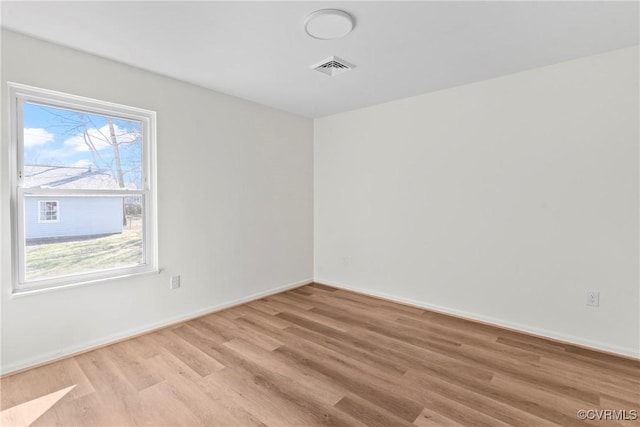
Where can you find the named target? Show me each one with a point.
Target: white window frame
(47, 221)
(19, 94)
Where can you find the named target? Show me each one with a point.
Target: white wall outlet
(593, 298)
(175, 282)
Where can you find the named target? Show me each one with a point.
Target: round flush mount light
(328, 24)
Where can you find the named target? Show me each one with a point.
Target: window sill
(19, 293)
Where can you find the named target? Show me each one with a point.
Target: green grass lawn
(82, 256)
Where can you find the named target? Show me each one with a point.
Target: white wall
(503, 200)
(235, 205)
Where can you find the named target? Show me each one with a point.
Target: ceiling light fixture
(328, 24)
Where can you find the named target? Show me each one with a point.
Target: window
(83, 197)
(48, 211)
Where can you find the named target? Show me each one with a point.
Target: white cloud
(51, 156)
(37, 136)
(99, 138)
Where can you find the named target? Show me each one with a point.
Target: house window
(94, 160)
(48, 211)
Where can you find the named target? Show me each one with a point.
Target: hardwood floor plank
(144, 346)
(291, 300)
(389, 305)
(213, 399)
(317, 318)
(113, 390)
(231, 330)
(477, 400)
(322, 287)
(133, 366)
(545, 404)
(462, 414)
(430, 418)
(264, 306)
(279, 371)
(163, 405)
(310, 324)
(193, 391)
(189, 354)
(366, 388)
(495, 363)
(372, 415)
(470, 339)
(87, 410)
(276, 403)
(622, 386)
(350, 349)
(259, 316)
(560, 352)
(611, 360)
(251, 359)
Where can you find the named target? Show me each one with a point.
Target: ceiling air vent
(332, 66)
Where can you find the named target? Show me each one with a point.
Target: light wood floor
(321, 356)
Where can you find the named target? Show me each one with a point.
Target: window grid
(48, 210)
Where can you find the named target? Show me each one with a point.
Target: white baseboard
(101, 342)
(569, 339)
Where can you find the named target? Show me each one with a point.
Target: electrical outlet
(175, 282)
(593, 298)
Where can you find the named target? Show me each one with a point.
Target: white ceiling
(259, 50)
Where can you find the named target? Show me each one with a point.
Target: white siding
(77, 216)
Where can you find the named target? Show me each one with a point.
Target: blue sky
(54, 136)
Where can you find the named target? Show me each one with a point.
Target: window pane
(90, 234)
(70, 149)
(48, 210)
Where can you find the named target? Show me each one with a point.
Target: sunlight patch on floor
(26, 413)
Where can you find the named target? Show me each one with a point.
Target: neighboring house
(62, 217)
